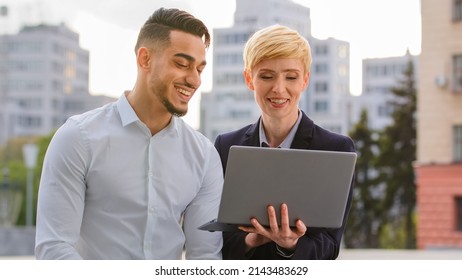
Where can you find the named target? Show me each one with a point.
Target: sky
(108, 29)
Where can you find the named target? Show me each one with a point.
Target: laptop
(314, 184)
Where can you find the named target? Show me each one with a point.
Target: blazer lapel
(252, 137)
(301, 140)
(304, 133)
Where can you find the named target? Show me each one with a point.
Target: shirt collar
(128, 116)
(289, 138)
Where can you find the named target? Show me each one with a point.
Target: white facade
(230, 105)
(44, 80)
(329, 86)
(380, 75)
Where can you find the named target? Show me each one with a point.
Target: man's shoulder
(79, 125)
(95, 115)
(189, 132)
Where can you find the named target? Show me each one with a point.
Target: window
(343, 70)
(384, 110)
(321, 106)
(229, 59)
(457, 73)
(230, 79)
(321, 87)
(343, 51)
(29, 121)
(457, 10)
(321, 68)
(457, 132)
(231, 39)
(458, 213)
(321, 50)
(30, 103)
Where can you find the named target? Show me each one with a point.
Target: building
(329, 89)
(379, 76)
(439, 127)
(44, 80)
(230, 104)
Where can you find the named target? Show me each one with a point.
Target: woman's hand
(282, 235)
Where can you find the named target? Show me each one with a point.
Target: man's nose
(194, 78)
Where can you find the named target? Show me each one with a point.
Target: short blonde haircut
(276, 41)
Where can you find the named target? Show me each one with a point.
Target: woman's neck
(277, 129)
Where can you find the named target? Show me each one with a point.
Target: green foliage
(385, 191)
(363, 226)
(397, 155)
(395, 236)
(12, 157)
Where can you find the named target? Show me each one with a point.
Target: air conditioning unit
(441, 81)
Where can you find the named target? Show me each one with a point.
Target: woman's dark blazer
(316, 243)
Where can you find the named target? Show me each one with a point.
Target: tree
(13, 160)
(397, 153)
(363, 225)
(13, 179)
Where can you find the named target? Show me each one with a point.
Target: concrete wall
(17, 241)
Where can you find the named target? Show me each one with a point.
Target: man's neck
(149, 111)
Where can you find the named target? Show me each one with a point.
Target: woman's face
(278, 84)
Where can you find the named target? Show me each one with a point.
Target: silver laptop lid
(314, 184)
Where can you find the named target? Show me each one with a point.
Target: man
(131, 180)
(277, 62)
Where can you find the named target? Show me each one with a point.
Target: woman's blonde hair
(276, 41)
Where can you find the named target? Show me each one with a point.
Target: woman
(277, 69)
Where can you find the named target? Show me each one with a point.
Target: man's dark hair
(157, 28)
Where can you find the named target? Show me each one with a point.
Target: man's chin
(179, 113)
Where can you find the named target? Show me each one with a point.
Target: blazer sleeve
(325, 243)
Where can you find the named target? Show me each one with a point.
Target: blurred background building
(44, 78)
(327, 100)
(439, 127)
(380, 75)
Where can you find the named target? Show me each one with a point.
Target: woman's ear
(248, 79)
(306, 80)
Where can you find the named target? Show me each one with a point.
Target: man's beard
(171, 108)
(163, 98)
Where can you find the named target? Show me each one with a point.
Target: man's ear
(248, 79)
(143, 58)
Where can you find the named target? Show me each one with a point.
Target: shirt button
(150, 174)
